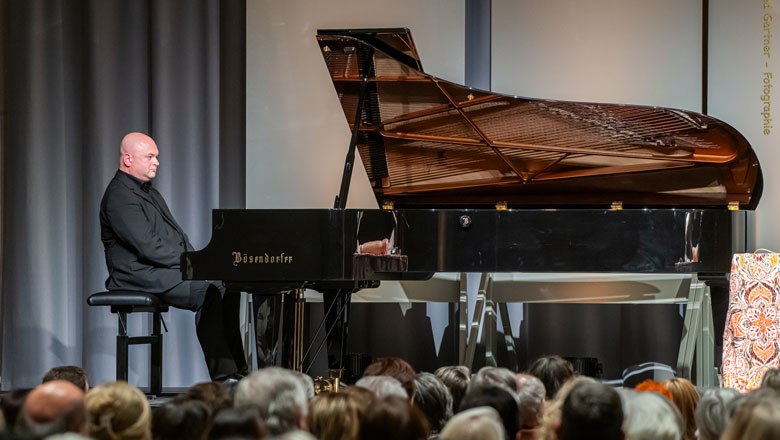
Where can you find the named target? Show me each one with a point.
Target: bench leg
(121, 347)
(156, 347)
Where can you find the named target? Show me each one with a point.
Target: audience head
(553, 371)
(237, 423)
(685, 397)
(118, 411)
(182, 417)
(530, 400)
(759, 419)
(53, 407)
(11, 404)
(73, 374)
(391, 418)
(382, 386)
(771, 379)
(363, 396)
(496, 376)
(481, 423)
(651, 386)
(213, 394)
(433, 399)
(279, 396)
(334, 416)
(394, 367)
(711, 415)
(651, 416)
(498, 397)
(456, 378)
(592, 411)
(551, 414)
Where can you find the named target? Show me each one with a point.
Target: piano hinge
(387, 205)
(501, 206)
(616, 205)
(733, 206)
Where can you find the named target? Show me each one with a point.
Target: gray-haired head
(650, 416)
(711, 415)
(278, 394)
(382, 386)
(481, 423)
(433, 399)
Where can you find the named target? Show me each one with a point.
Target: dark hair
(497, 397)
(73, 374)
(433, 399)
(391, 418)
(182, 417)
(396, 368)
(244, 422)
(456, 378)
(11, 404)
(553, 371)
(592, 410)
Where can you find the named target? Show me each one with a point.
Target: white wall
(624, 51)
(297, 136)
(737, 69)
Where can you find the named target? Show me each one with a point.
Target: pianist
(143, 244)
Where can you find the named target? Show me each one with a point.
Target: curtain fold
(79, 75)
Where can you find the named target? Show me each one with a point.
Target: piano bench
(124, 302)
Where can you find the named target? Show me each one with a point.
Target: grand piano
(469, 180)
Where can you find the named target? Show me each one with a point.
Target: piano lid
(427, 142)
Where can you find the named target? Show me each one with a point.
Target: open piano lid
(427, 142)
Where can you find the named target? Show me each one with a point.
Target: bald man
(143, 244)
(54, 407)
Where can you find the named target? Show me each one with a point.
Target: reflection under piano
(471, 181)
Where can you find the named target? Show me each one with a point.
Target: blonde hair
(118, 411)
(551, 414)
(757, 420)
(685, 397)
(334, 416)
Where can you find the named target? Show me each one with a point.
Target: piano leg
(337, 322)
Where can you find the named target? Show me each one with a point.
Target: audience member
(394, 367)
(73, 374)
(497, 397)
(530, 401)
(118, 411)
(685, 397)
(433, 399)
(553, 371)
(334, 416)
(382, 386)
(650, 416)
(213, 394)
(237, 423)
(51, 408)
(481, 423)
(456, 378)
(651, 386)
(179, 418)
(496, 376)
(551, 415)
(11, 404)
(591, 411)
(758, 420)
(711, 415)
(771, 379)
(393, 418)
(279, 396)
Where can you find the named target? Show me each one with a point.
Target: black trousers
(216, 323)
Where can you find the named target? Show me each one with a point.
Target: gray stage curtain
(79, 75)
